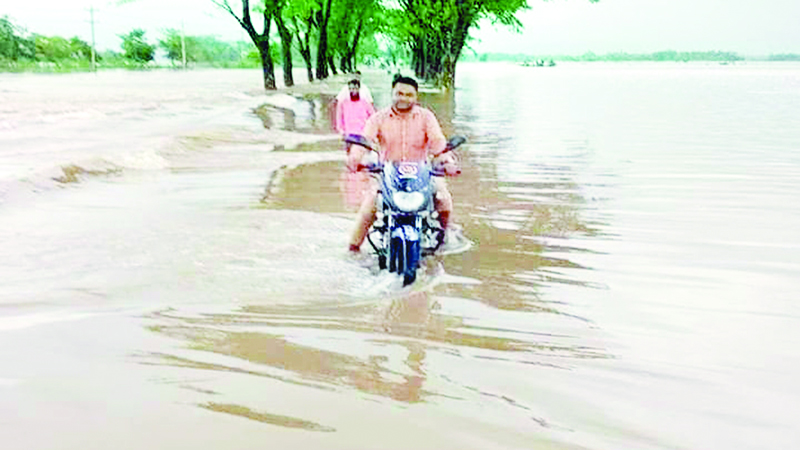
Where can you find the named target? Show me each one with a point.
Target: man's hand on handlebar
(447, 163)
(354, 157)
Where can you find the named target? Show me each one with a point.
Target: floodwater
(174, 276)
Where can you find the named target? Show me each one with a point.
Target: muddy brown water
(173, 270)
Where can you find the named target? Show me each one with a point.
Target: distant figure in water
(363, 90)
(352, 113)
(344, 94)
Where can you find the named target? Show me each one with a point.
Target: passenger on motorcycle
(405, 132)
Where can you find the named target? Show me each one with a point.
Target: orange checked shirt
(406, 136)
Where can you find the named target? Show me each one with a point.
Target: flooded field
(174, 270)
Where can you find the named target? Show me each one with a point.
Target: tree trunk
(286, 49)
(266, 58)
(447, 78)
(305, 48)
(349, 59)
(322, 47)
(267, 64)
(453, 52)
(261, 41)
(332, 65)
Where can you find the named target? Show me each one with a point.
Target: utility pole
(183, 45)
(94, 58)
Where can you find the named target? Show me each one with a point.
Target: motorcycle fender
(407, 233)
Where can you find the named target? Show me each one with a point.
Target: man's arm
(371, 128)
(340, 117)
(371, 133)
(436, 140)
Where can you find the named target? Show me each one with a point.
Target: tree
(438, 30)
(12, 45)
(301, 18)
(286, 42)
(135, 47)
(80, 49)
(52, 49)
(352, 22)
(304, 40)
(261, 40)
(56, 48)
(323, 17)
(171, 43)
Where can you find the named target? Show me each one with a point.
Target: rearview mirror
(455, 142)
(358, 139)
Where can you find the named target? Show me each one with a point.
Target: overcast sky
(556, 26)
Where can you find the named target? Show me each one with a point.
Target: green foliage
(171, 43)
(353, 23)
(52, 48)
(80, 49)
(56, 48)
(784, 57)
(437, 31)
(199, 49)
(135, 47)
(13, 46)
(668, 55)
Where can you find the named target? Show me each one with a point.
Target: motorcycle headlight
(408, 201)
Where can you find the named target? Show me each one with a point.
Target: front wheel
(404, 256)
(412, 262)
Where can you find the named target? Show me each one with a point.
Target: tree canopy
(13, 45)
(136, 47)
(336, 35)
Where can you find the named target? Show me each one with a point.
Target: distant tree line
(784, 57)
(667, 55)
(21, 50)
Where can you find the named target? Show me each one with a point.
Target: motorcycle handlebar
(372, 168)
(377, 168)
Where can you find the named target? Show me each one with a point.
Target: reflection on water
(345, 344)
(304, 114)
(272, 419)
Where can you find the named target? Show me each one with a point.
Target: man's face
(404, 96)
(353, 91)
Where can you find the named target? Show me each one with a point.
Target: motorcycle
(406, 226)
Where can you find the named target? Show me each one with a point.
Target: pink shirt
(351, 116)
(406, 136)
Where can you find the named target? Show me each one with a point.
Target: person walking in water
(344, 94)
(351, 115)
(363, 90)
(353, 111)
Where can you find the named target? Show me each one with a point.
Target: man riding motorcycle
(406, 132)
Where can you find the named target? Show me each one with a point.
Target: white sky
(556, 26)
